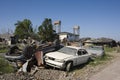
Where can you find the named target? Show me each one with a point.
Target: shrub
(3, 48)
(108, 49)
(101, 60)
(5, 67)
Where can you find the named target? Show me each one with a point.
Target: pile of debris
(31, 55)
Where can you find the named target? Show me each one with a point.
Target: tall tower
(76, 30)
(57, 26)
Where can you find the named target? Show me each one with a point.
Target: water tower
(57, 26)
(76, 30)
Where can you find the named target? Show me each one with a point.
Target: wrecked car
(67, 57)
(96, 51)
(18, 56)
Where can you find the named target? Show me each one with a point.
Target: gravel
(41, 74)
(13, 76)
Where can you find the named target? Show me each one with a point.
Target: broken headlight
(58, 60)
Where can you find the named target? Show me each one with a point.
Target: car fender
(71, 59)
(68, 61)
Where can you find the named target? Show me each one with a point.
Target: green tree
(46, 31)
(23, 28)
(35, 34)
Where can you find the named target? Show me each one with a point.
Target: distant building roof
(89, 41)
(63, 33)
(99, 40)
(6, 35)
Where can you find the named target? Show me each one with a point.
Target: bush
(108, 49)
(5, 67)
(3, 48)
(100, 60)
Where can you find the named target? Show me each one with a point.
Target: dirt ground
(111, 72)
(85, 72)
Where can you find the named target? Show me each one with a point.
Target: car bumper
(55, 64)
(13, 58)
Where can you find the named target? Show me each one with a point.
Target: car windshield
(68, 50)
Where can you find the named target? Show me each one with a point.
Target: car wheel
(68, 66)
(89, 59)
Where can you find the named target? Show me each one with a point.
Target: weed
(101, 60)
(5, 67)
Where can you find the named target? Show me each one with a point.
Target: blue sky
(96, 18)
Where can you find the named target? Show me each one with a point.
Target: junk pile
(31, 55)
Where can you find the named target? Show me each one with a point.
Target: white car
(67, 57)
(96, 51)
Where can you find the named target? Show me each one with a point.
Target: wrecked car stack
(28, 54)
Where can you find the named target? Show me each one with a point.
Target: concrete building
(68, 36)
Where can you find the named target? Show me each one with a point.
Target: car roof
(74, 47)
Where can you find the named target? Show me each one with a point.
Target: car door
(82, 56)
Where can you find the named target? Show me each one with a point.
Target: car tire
(69, 66)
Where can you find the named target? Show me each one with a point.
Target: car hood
(58, 55)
